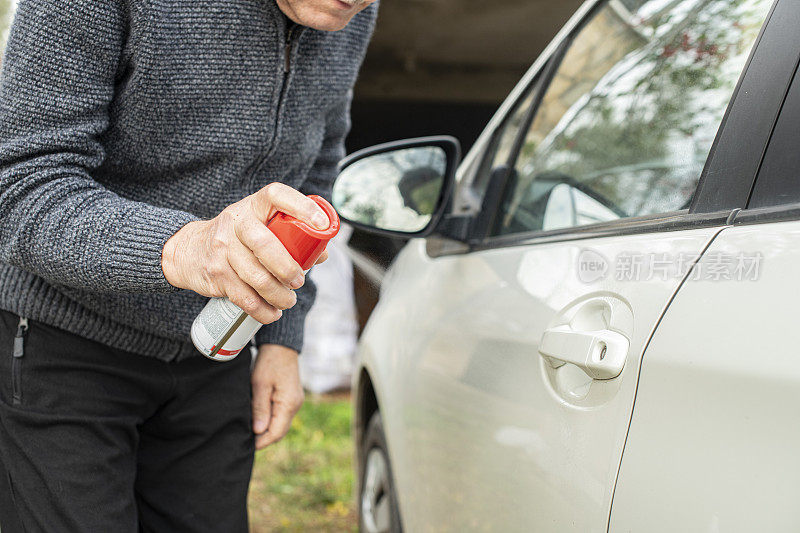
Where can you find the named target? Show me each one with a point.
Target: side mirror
(399, 188)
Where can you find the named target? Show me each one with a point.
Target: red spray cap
(305, 243)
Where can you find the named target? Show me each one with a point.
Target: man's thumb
(262, 409)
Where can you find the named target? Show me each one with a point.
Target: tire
(377, 503)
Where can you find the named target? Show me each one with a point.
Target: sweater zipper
(16, 361)
(288, 45)
(292, 34)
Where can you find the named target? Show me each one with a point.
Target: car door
(714, 436)
(515, 365)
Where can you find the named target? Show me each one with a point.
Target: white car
(594, 326)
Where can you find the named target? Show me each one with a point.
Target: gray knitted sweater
(123, 120)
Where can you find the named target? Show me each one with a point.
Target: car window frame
(770, 208)
(755, 106)
(775, 177)
(715, 202)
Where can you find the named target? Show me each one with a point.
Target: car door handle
(601, 353)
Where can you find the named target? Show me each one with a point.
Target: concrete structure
(444, 66)
(470, 51)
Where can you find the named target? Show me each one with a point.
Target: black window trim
(661, 222)
(764, 215)
(715, 202)
(764, 203)
(733, 164)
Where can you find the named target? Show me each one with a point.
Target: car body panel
(714, 438)
(483, 434)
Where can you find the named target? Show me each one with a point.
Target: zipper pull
(287, 51)
(19, 338)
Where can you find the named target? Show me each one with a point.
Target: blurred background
(433, 67)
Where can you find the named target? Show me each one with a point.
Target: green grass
(305, 482)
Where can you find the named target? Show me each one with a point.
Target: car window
(628, 120)
(506, 138)
(499, 150)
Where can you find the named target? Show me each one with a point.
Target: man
(143, 146)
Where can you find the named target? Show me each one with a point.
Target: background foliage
(305, 482)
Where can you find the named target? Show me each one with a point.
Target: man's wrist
(168, 261)
(169, 264)
(289, 330)
(277, 350)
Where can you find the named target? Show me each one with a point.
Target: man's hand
(277, 393)
(235, 255)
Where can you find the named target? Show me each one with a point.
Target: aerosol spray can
(222, 329)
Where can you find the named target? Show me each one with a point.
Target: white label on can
(214, 321)
(218, 315)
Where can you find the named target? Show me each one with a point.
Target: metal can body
(222, 330)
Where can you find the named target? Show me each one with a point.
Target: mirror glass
(396, 190)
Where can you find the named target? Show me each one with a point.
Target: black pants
(98, 439)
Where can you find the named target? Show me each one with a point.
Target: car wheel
(377, 502)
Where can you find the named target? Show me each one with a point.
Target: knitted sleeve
(57, 81)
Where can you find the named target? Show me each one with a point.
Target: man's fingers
(251, 302)
(276, 369)
(278, 426)
(262, 407)
(270, 252)
(279, 197)
(283, 410)
(262, 441)
(251, 271)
